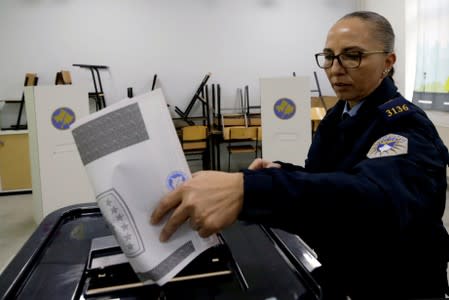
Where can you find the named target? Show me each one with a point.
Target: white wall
(237, 41)
(411, 36)
(394, 11)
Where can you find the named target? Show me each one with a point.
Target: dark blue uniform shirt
(369, 200)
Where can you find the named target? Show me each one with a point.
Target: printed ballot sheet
(133, 157)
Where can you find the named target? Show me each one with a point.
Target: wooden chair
(228, 120)
(259, 140)
(242, 140)
(194, 143)
(254, 120)
(316, 115)
(329, 101)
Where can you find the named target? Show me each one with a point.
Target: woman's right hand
(260, 163)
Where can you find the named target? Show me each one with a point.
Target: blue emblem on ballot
(175, 179)
(62, 118)
(284, 108)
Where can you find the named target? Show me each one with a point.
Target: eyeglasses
(348, 60)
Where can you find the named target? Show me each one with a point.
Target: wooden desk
(15, 171)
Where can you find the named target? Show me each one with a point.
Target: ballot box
(73, 255)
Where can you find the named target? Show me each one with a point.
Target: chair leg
(229, 161)
(257, 147)
(204, 161)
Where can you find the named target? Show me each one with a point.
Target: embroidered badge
(389, 145)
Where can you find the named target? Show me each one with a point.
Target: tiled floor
(17, 224)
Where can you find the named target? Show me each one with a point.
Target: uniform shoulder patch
(396, 108)
(388, 145)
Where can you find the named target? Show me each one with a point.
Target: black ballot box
(73, 255)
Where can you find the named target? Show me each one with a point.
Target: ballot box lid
(54, 264)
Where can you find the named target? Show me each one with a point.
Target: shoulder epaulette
(396, 108)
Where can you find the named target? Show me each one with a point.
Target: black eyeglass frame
(360, 54)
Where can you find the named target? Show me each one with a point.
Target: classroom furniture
(202, 96)
(316, 115)
(98, 95)
(241, 140)
(194, 141)
(63, 77)
(58, 175)
(15, 174)
(31, 79)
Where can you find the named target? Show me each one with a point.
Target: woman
(371, 195)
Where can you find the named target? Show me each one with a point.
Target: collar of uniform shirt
(352, 111)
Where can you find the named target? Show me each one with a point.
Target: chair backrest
(227, 130)
(243, 133)
(194, 137)
(234, 120)
(317, 113)
(329, 101)
(255, 121)
(259, 133)
(226, 133)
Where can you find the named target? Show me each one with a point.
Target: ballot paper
(133, 157)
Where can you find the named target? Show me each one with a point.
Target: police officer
(371, 196)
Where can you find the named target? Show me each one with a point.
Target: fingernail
(153, 219)
(162, 238)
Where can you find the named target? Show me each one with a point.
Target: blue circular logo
(175, 179)
(284, 108)
(62, 118)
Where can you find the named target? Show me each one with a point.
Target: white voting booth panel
(286, 125)
(58, 176)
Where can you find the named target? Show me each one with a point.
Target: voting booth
(286, 126)
(58, 177)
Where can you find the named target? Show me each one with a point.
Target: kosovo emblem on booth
(62, 118)
(284, 108)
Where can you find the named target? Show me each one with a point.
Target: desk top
(12, 131)
(10, 100)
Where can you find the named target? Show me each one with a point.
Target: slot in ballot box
(72, 255)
